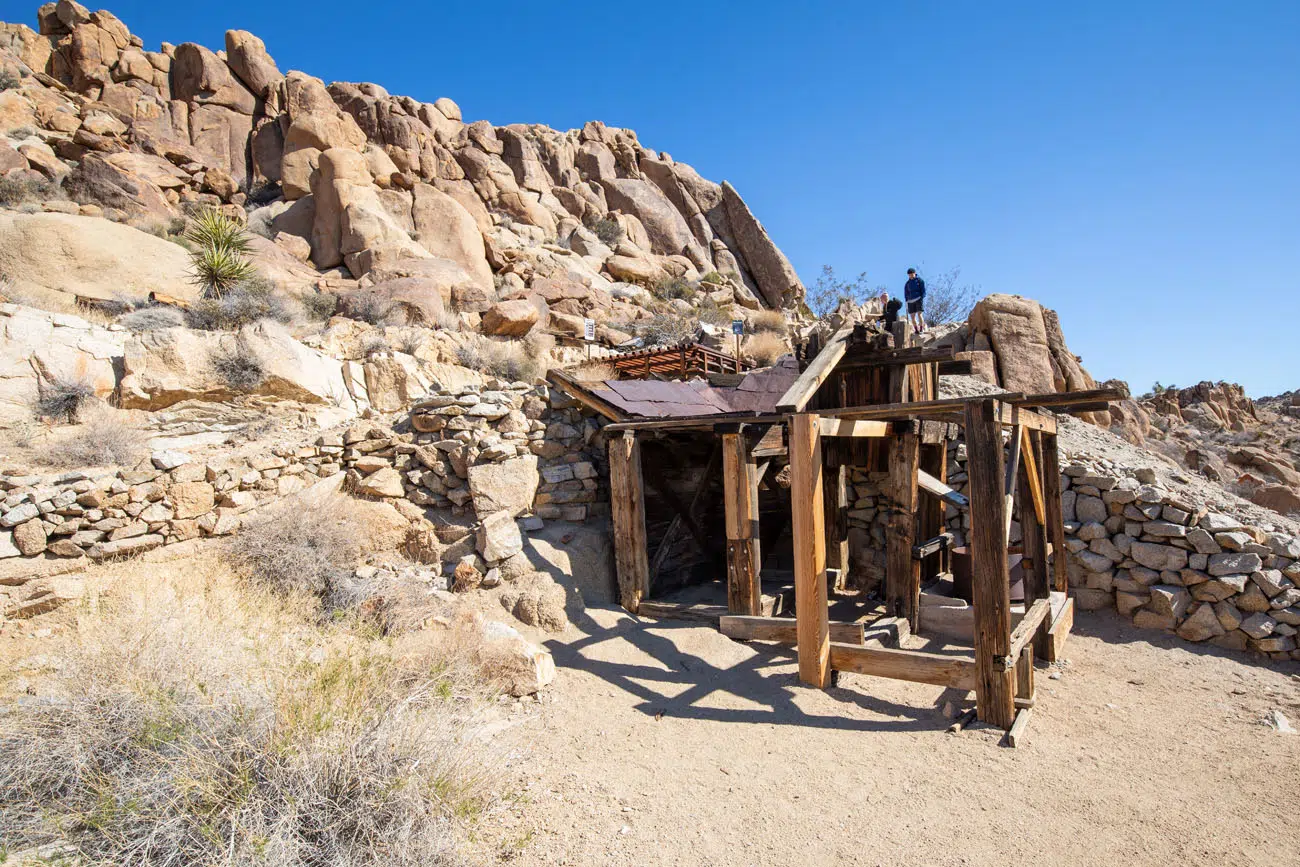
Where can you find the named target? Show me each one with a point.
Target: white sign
(589, 329)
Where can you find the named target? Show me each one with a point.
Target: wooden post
(627, 507)
(1050, 466)
(902, 572)
(933, 460)
(990, 587)
(806, 509)
(1033, 537)
(837, 537)
(740, 492)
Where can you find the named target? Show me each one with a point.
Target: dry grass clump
(768, 321)
(370, 307)
(62, 399)
(198, 721)
(608, 231)
(319, 306)
(515, 360)
(301, 551)
(666, 329)
(103, 440)
(596, 371)
(152, 319)
(237, 306)
(238, 367)
(22, 189)
(765, 348)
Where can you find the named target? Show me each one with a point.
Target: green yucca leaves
(220, 246)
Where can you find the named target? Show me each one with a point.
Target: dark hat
(911, 270)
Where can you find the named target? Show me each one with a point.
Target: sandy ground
(666, 743)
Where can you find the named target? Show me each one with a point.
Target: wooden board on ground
(911, 665)
(782, 629)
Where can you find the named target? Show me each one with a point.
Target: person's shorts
(916, 306)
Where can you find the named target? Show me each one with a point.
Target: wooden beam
(1025, 674)
(931, 546)
(1050, 467)
(912, 665)
(899, 410)
(991, 591)
(902, 572)
(782, 629)
(1015, 415)
(909, 355)
(1009, 483)
(1033, 535)
(931, 485)
(1035, 616)
(627, 508)
(702, 422)
(836, 427)
(836, 488)
(680, 510)
(818, 371)
(584, 396)
(807, 512)
(1019, 728)
(740, 495)
(1060, 630)
(1061, 398)
(1030, 450)
(699, 612)
(960, 367)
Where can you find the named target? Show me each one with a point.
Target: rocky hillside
(350, 186)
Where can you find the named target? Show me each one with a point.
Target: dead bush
(300, 551)
(63, 399)
(670, 288)
(712, 312)
(411, 340)
(769, 321)
(666, 329)
(594, 372)
(20, 189)
(238, 367)
(241, 305)
(319, 306)
(515, 360)
(152, 319)
(374, 343)
(370, 307)
(199, 722)
(765, 349)
(104, 440)
(608, 231)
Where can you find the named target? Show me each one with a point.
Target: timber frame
(862, 398)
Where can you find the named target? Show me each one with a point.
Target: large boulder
(372, 233)
(248, 59)
(38, 347)
(448, 231)
(771, 270)
(508, 486)
(442, 275)
(1014, 327)
(669, 234)
(200, 76)
(65, 255)
(98, 181)
(315, 121)
(510, 318)
(339, 173)
(165, 367)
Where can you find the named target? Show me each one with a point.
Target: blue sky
(1135, 166)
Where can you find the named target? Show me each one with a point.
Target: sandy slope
(663, 743)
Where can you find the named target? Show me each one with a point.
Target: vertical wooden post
(806, 508)
(933, 460)
(990, 587)
(1025, 673)
(740, 492)
(837, 537)
(627, 507)
(1033, 536)
(1050, 466)
(902, 573)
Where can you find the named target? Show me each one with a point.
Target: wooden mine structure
(865, 399)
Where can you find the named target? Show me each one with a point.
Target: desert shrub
(608, 231)
(63, 399)
(206, 723)
(594, 372)
(666, 329)
(309, 551)
(670, 288)
(152, 319)
(9, 80)
(947, 299)
(714, 278)
(370, 307)
(16, 190)
(829, 291)
(448, 321)
(372, 343)
(765, 348)
(219, 252)
(768, 321)
(320, 306)
(411, 340)
(712, 312)
(104, 440)
(238, 367)
(241, 305)
(515, 360)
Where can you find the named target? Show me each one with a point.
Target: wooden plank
(782, 629)
(960, 367)
(931, 546)
(911, 665)
(1025, 673)
(1051, 476)
(700, 613)
(702, 422)
(740, 495)
(627, 508)
(902, 572)
(1061, 398)
(1028, 627)
(1029, 451)
(899, 410)
(802, 389)
(908, 356)
(1060, 631)
(582, 395)
(1014, 415)
(807, 512)
(1019, 728)
(836, 427)
(962, 721)
(836, 489)
(931, 485)
(680, 510)
(991, 591)
(1009, 483)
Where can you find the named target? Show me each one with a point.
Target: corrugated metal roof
(758, 392)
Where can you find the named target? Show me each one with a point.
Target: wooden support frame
(783, 630)
(990, 588)
(940, 489)
(836, 489)
(802, 389)
(913, 665)
(807, 513)
(837, 427)
(902, 571)
(1033, 533)
(627, 507)
(740, 495)
(1051, 469)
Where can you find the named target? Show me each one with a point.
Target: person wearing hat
(914, 294)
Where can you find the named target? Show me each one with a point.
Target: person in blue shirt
(914, 294)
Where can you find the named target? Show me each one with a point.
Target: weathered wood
(784, 630)
(908, 356)
(931, 546)
(1015, 415)
(1061, 398)
(699, 612)
(991, 592)
(1029, 454)
(903, 410)
(962, 721)
(627, 508)
(1060, 630)
(1009, 483)
(583, 395)
(807, 511)
(1050, 467)
(837, 427)
(960, 367)
(1035, 616)
(902, 572)
(931, 485)
(1019, 728)
(681, 512)
(836, 489)
(694, 422)
(911, 665)
(740, 495)
(1025, 673)
(802, 389)
(1033, 535)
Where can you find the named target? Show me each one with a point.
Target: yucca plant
(220, 247)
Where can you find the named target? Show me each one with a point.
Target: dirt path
(663, 743)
